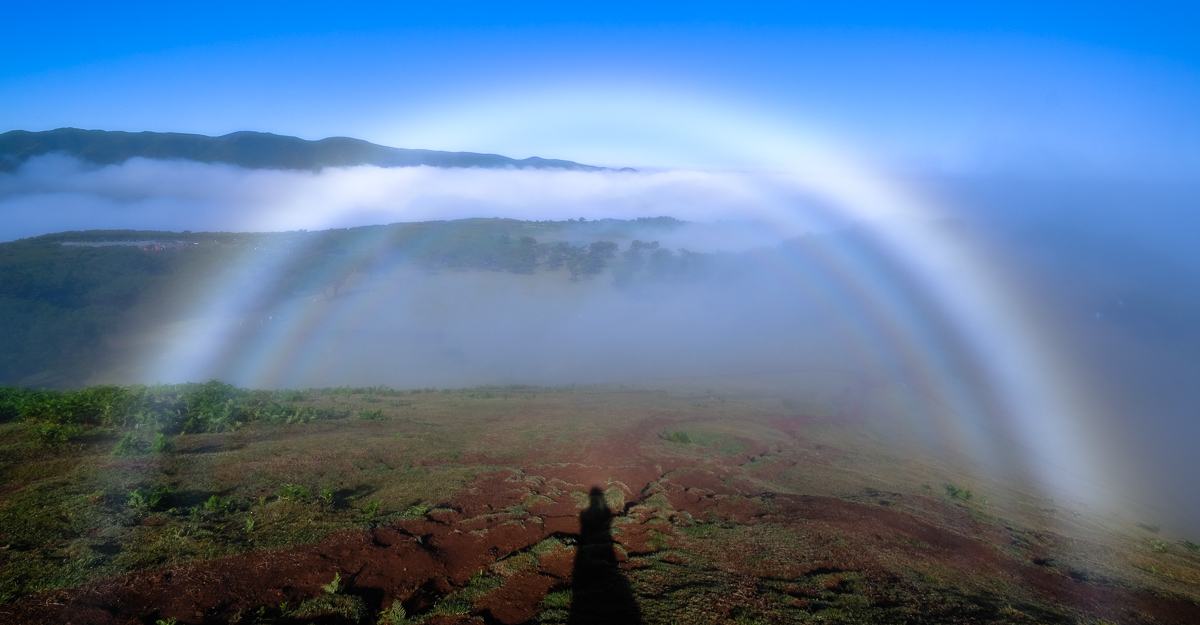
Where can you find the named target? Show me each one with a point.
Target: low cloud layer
(56, 193)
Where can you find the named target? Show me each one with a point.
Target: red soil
(418, 561)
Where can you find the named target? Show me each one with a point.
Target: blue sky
(1070, 88)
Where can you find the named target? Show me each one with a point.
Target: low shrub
(218, 504)
(293, 491)
(958, 493)
(55, 434)
(680, 437)
(145, 498)
(395, 615)
(335, 586)
(454, 605)
(415, 511)
(371, 415)
(129, 445)
(162, 444)
(559, 599)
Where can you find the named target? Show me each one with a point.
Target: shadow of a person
(600, 593)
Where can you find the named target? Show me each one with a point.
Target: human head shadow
(600, 592)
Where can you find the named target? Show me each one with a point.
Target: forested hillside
(62, 295)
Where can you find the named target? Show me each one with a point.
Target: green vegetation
(393, 615)
(162, 444)
(371, 415)
(57, 417)
(463, 601)
(292, 491)
(958, 493)
(82, 479)
(722, 442)
(415, 511)
(680, 437)
(333, 606)
(61, 302)
(217, 504)
(648, 262)
(335, 586)
(559, 599)
(148, 499)
(556, 606)
(57, 302)
(726, 532)
(55, 434)
(130, 445)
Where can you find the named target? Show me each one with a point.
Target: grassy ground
(69, 512)
(717, 530)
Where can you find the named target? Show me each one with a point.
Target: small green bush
(415, 511)
(335, 586)
(547, 545)
(218, 504)
(55, 434)
(145, 498)
(958, 493)
(162, 444)
(1189, 545)
(292, 491)
(559, 599)
(680, 437)
(454, 605)
(658, 540)
(371, 415)
(371, 509)
(129, 445)
(293, 395)
(395, 615)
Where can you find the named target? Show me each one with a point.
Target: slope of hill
(688, 504)
(255, 150)
(63, 295)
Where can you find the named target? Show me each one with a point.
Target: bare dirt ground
(644, 525)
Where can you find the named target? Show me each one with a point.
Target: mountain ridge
(249, 149)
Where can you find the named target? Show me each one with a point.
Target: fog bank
(54, 193)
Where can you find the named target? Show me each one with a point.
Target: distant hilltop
(253, 150)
